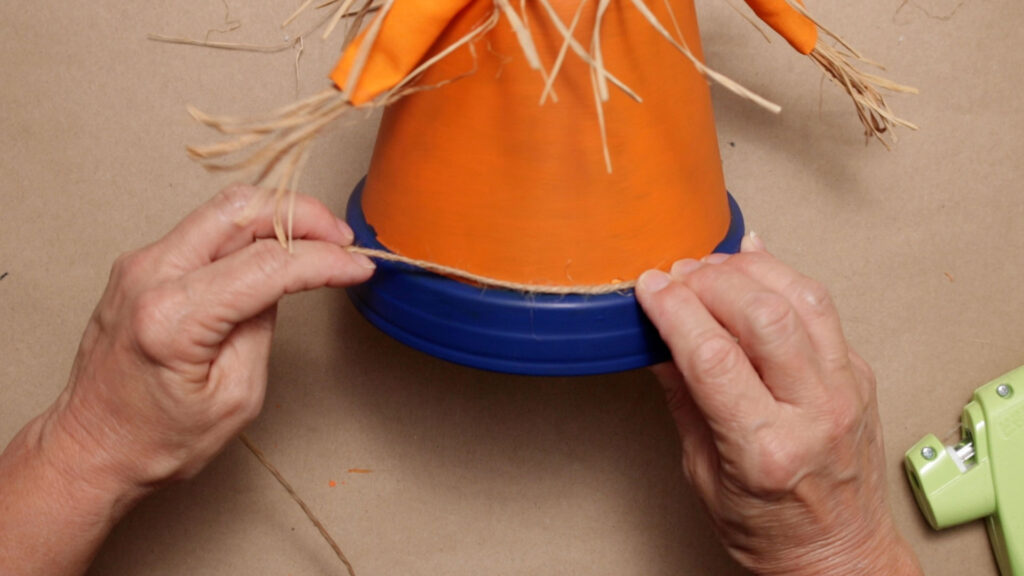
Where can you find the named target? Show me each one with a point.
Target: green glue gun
(982, 476)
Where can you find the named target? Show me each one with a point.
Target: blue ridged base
(503, 331)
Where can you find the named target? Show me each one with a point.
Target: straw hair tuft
(839, 65)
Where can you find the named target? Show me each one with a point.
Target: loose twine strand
(330, 20)
(298, 500)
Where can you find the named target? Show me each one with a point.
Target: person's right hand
(777, 415)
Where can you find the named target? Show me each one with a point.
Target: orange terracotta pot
(478, 175)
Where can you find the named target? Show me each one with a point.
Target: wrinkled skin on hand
(172, 366)
(173, 363)
(777, 416)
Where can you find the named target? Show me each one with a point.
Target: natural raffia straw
(275, 146)
(862, 87)
(873, 111)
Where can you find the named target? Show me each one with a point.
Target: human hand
(777, 416)
(173, 363)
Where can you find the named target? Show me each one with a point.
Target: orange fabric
(477, 175)
(796, 28)
(408, 31)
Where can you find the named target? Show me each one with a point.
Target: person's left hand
(173, 363)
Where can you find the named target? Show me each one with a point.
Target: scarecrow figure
(540, 146)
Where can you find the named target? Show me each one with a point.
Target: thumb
(253, 337)
(242, 364)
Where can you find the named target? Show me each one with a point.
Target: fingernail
(365, 261)
(716, 258)
(653, 281)
(684, 267)
(752, 243)
(346, 231)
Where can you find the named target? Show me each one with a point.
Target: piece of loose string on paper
(265, 462)
(331, 21)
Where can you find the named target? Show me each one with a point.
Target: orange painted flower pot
(478, 175)
(531, 148)
(475, 173)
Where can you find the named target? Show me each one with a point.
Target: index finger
(721, 380)
(207, 304)
(238, 216)
(768, 328)
(809, 298)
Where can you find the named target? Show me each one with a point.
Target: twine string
(488, 282)
(298, 500)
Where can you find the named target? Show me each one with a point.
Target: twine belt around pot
(484, 281)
